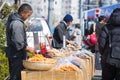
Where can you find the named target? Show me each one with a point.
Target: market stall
(70, 63)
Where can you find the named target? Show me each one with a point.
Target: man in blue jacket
(16, 41)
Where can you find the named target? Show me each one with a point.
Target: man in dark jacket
(98, 27)
(62, 30)
(112, 28)
(16, 41)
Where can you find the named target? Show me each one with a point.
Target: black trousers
(15, 67)
(110, 72)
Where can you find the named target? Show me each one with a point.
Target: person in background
(110, 72)
(101, 22)
(98, 26)
(62, 30)
(17, 47)
(76, 34)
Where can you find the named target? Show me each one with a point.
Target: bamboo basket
(37, 65)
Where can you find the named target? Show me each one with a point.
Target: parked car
(38, 32)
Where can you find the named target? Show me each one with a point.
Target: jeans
(15, 67)
(97, 60)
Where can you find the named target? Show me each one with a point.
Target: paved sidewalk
(97, 75)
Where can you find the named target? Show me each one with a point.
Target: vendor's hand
(30, 49)
(70, 42)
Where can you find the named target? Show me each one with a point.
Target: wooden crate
(88, 67)
(93, 65)
(51, 75)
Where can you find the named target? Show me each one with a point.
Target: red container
(43, 50)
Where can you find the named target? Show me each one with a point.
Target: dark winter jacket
(112, 29)
(59, 31)
(98, 27)
(16, 36)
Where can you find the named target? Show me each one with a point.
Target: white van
(38, 32)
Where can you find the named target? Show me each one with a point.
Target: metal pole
(19, 3)
(81, 17)
(50, 3)
(88, 4)
(36, 41)
(100, 3)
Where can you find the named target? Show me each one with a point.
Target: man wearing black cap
(62, 30)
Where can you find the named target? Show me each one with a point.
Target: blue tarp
(106, 11)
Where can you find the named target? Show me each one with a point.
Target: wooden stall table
(51, 75)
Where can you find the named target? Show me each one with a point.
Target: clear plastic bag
(65, 65)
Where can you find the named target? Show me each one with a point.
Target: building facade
(40, 7)
(70, 7)
(59, 8)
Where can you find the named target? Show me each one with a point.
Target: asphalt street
(97, 75)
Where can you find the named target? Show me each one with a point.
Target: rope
(94, 27)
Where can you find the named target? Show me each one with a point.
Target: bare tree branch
(1, 7)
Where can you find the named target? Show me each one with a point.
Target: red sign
(97, 13)
(97, 10)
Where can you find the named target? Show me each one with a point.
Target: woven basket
(37, 65)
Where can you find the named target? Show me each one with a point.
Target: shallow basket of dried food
(39, 62)
(31, 65)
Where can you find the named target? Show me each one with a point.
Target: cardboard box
(51, 75)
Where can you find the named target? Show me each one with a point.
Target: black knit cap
(68, 18)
